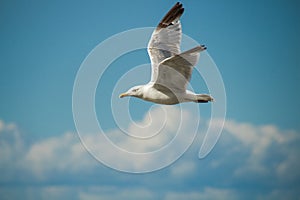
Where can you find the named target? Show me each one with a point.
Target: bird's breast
(160, 97)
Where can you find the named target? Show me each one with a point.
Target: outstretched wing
(166, 38)
(175, 72)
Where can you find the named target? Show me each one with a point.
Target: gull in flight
(171, 70)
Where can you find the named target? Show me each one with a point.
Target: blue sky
(255, 45)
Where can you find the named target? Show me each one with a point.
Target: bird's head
(136, 91)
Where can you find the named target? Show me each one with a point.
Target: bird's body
(162, 95)
(171, 70)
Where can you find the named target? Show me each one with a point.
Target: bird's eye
(134, 90)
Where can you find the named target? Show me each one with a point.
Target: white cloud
(65, 153)
(7, 127)
(62, 153)
(159, 135)
(263, 155)
(11, 150)
(1, 125)
(113, 193)
(159, 126)
(158, 123)
(207, 194)
(257, 144)
(183, 169)
(279, 194)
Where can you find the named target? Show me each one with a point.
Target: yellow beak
(123, 95)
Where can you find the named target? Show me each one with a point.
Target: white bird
(171, 70)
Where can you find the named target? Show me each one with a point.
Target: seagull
(171, 69)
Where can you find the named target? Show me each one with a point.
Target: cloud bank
(248, 162)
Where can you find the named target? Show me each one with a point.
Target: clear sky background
(256, 47)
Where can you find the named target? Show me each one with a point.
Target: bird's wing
(166, 38)
(175, 72)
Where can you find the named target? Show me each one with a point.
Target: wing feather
(175, 72)
(166, 38)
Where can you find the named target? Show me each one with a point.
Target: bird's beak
(123, 95)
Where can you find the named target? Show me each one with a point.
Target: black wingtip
(174, 13)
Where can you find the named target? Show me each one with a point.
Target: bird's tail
(204, 98)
